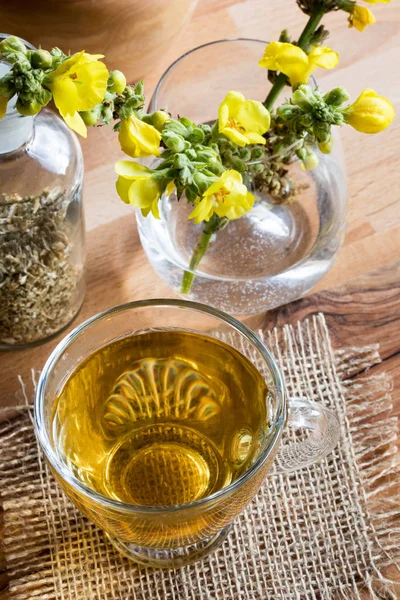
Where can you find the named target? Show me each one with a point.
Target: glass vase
(275, 253)
(42, 232)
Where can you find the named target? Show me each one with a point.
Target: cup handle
(323, 431)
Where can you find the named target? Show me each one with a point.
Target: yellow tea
(161, 418)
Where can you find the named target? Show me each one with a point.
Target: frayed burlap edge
(373, 442)
(377, 459)
(375, 446)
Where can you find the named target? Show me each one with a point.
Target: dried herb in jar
(38, 278)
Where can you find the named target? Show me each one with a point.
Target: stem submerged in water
(199, 251)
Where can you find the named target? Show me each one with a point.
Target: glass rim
(4, 36)
(192, 50)
(61, 468)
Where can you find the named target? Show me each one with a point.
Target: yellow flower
(138, 138)
(376, 1)
(370, 113)
(135, 185)
(295, 63)
(360, 17)
(243, 121)
(227, 197)
(78, 84)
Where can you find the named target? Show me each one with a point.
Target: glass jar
(278, 251)
(42, 231)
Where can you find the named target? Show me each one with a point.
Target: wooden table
(360, 296)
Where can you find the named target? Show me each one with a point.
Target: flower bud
(308, 158)
(181, 161)
(197, 136)
(338, 118)
(336, 97)
(159, 118)
(28, 109)
(238, 164)
(227, 154)
(139, 88)
(202, 181)
(204, 127)
(21, 62)
(215, 167)
(301, 153)
(360, 16)
(287, 111)
(7, 87)
(214, 147)
(91, 117)
(174, 141)
(257, 153)
(245, 153)
(306, 121)
(11, 45)
(176, 127)
(285, 36)
(205, 154)
(56, 53)
(116, 82)
(326, 147)
(257, 169)
(41, 59)
(185, 176)
(303, 96)
(190, 153)
(106, 114)
(322, 132)
(224, 143)
(186, 122)
(370, 113)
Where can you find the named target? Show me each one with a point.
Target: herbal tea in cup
(162, 433)
(161, 418)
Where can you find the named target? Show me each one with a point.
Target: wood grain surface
(360, 296)
(133, 34)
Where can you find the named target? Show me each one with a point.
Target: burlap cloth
(324, 532)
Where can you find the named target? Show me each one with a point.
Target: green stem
(274, 92)
(303, 42)
(199, 252)
(310, 27)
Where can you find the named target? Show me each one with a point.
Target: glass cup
(175, 535)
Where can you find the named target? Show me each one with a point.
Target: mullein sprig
(249, 147)
(76, 83)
